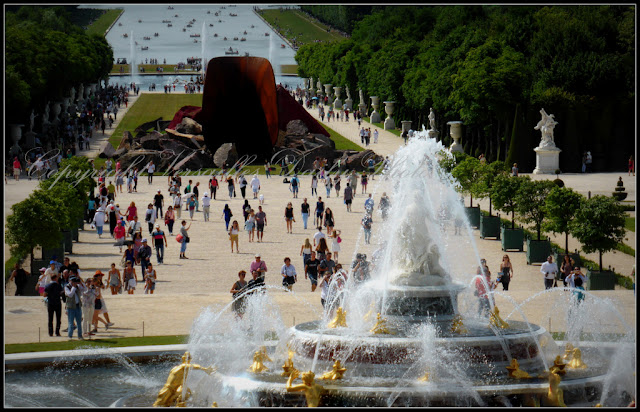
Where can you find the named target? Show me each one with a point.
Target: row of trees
(597, 223)
(493, 67)
(56, 205)
(45, 56)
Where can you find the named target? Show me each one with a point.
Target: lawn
(95, 343)
(294, 24)
(342, 143)
(630, 223)
(151, 68)
(101, 25)
(289, 68)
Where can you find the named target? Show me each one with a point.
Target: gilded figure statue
(568, 352)
(336, 372)
(457, 326)
(288, 368)
(173, 393)
(555, 395)
(515, 371)
(577, 362)
(312, 391)
(496, 320)
(259, 357)
(340, 321)
(380, 328)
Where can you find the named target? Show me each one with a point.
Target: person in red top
(119, 234)
(632, 166)
(132, 211)
(483, 288)
(17, 167)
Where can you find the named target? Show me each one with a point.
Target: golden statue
(259, 357)
(214, 405)
(495, 320)
(336, 372)
(457, 326)
(173, 393)
(597, 405)
(340, 321)
(558, 366)
(515, 371)
(312, 391)
(288, 368)
(425, 377)
(380, 328)
(531, 401)
(568, 352)
(577, 362)
(372, 309)
(555, 395)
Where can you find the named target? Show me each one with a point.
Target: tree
(503, 192)
(530, 201)
(449, 160)
(599, 225)
(487, 176)
(561, 204)
(467, 174)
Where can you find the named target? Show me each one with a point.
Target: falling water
(132, 58)
(273, 51)
(203, 42)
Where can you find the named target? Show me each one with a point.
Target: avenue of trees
(45, 56)
(494, 68)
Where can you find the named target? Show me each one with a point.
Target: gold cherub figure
(336, 372)
(340, 321)
(558, 366)
(496, 320)
(173, 392)
(577, 362)
(555, 395)
(568, 352)
(425, 377)
(288, 368)
(515, 371)
(312, 391)
(259, 357)
(372, 309)
(380, 328)
(214, 405)
(457, 326)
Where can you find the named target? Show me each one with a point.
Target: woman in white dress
(335, 244)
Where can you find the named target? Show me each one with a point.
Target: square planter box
(67, 241)
(490, 226)
(538, 251)
(473, 214)
(75, 235)
(512, 239)
(81, 224)
(605, 280)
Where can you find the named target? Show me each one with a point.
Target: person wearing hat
(51, 270)
(258, 266)
(73, 291)
(158, 202)
(206, 206)
(158, 237)
(53, 292)
(41, 282)
(99, 220)
(144, 255)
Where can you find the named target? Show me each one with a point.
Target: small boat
(233, 15)
(125, 35)
(145, 48)
(216, 13)
(188, 25)
(245, 33)
(169, 25)
(231, 51)
(215, 34)
(166, 21)
(146, 38)
(175, 15)
(139, 21)
(210, 24)
(208, 11)
(225, 38)
(235, 38)
(195, 35)
(252, 26)
(119, 24)
(136, 43)
(155, 34)
(266, 34)
(282, 46)
(246, 53)
(195, 40)
(169, 8)
(183, 29)
(219, 21)
(243, 39)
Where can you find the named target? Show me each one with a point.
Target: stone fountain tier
(409, 303)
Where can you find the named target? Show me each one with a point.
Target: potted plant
(489, 225)
(467, 173)
(530, 207)
(599, 226)
(504, 191)
(561, 205)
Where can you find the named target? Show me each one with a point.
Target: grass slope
(293, 23)
(101, 25)
(95, 343)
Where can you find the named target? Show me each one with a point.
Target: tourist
(369, 204)
(88, 307)
(196, 193)
(231, 186)
(304, 211)
(305, 251)
(317, 236)
(250, 225)
(261, 222)
(328, 184)
(514, 170)
(324, 287)
(364, 181)
(258, 266)
(100, 304)
(329, 221)
(375, 136)
(119, 181)
(53, 292)
(255, 186)
(506, 272)
(578, 282)
(113, 212)
(226, 214)
(73, 305)
(130, 278)
(267, 169)
(289, 275)
(177, 205)
(206, 206)
(311, 269)
(348, 197)
(115, 281)
(158, 202)
(294, 184)
(632, 166)
(319, 211)
(384, 205)
(335, 242)
(150, 278)
(353, 182)
(549, 270)
(119, 234)
(111, 191)
(185, 239)
(322, 248)
(213, 185)
(132, 211)
(151, 168)
(314, 185)
(17, 168)
(242, 182)
(256, 283)
(191, 204)
(366, 225)
(565, 269)
(246, 208)
(326, 264)
(288, 217)
(233, 235)
(150, 217)
(49, 272)
(21, 278)
(158, 237)
(144, 255)
(337, 182)
(588, 162)
(169, 219)
(237, 293)
(99, 220)
(484, 286)
(91, 209)
(134, 227)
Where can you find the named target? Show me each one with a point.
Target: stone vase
(389, 123)
(455, 132)
(337, 103)
(57, 109)
(327, 90)
(15, 131)
(375, 103)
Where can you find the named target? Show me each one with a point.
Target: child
(150, 278)
(261, 199)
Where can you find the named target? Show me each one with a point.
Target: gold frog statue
(173, 393)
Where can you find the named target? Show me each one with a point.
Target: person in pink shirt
(119, 234)
(17, 167)
(258, 266)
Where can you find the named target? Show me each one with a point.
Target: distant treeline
(494, 68)
(46, 54)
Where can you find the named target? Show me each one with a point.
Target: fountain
(204, 47)
(132, 59)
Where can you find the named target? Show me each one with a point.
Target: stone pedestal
(362, 107)
(349, 103)
(433, 134)
(547, 160)
(389, 123)
(375, 116)
(337, 103)
(406, 126)
(455, 132)
(15, 131)
(30, 139)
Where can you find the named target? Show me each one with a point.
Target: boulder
(307, 158)
(189, 126)
(281, 138)
(127, 138)
(359, 160)
(152, 141)
(142, 129)
(106, 150)
(297, 128)
(119, 152)
(226, 154)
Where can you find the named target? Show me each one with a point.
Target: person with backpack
(294, 184)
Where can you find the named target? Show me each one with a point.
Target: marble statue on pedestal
(73, 94)
(432, 119)
(547, 154)
(546, 126)
(32, 119)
